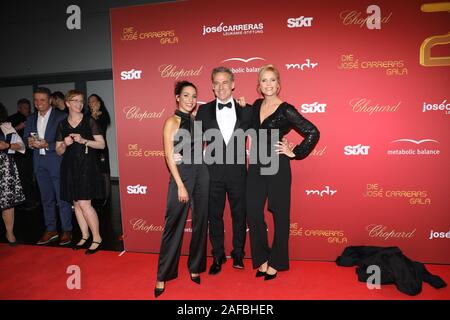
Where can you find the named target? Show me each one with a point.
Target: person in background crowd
(40, 136)
(77, 138)
(98, 111)
(24, 161)
(10, 188)
(58, 101)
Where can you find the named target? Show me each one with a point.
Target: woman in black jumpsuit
(268, 114)
(188, 187)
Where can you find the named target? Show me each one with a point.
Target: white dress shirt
(42, 126)
(226, 118)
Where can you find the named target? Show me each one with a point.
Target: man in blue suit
(40, 136)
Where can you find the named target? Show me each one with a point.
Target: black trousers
(196, 181)
(234, 187)
(277, 190)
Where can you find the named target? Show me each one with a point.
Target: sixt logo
(130, 75)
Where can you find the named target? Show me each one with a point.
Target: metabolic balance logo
(299, 22)
(164, 36)
(235, 29)
(392, 67)
(414, 197)
(413, 148)
(245, 65)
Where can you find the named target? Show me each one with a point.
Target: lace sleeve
(304, 127)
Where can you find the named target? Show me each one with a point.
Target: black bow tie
(227, 105)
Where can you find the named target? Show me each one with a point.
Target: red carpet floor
(32, 272)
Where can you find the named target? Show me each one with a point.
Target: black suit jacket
(236, 168)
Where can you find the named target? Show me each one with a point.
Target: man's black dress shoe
(216, 266)
(238, 263)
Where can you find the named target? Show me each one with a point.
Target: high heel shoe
(92, 251)
(260, 274)
(158, 292)
(270, 276)
(11, 243)
(81, 246)
(196, 279)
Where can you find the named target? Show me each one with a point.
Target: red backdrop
(379, 175)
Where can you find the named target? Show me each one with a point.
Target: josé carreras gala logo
(234, 29)
(164, 36)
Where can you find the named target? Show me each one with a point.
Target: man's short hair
(43, 90)
(58, 94)
(222, 69)
(24, 101)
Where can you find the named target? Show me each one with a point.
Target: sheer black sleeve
(60, 132)
(95, 128)
(307, 130)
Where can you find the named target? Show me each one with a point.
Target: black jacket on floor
(395, 268)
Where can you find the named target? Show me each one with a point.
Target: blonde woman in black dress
(272, 113)
(77, 138)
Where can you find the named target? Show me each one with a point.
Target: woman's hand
(282, 147)
(183, 195)
(68, 141)
(4, 145)
(177, 157)
(78, 138)
(241, 102)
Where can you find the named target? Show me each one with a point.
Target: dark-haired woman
(188, 187)
(98, 111)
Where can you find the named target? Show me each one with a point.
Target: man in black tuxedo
(226, 117)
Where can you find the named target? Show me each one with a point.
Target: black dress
(103, 122)
(11, 193)
(80, 173)
(276, 188)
